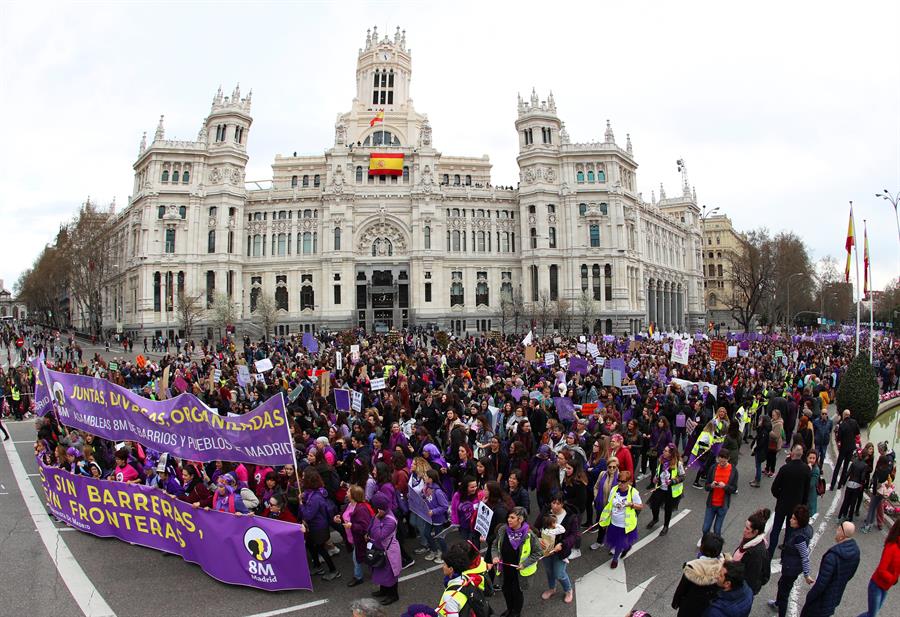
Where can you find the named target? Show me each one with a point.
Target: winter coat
(888, 570)
(756, 563)
(360, 520)
(383, 535)
(838, 566)
(791, 560)
(314, 512)
(698, 586)
(734, 603)
(791, 486)
(198, 493)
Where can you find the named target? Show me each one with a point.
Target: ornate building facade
(335, 243)
(721, 246)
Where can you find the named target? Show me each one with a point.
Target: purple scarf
(516, 537)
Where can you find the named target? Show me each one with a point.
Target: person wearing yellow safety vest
(669, 486)
(517, 551)
(619, 516)
(701, 449)
(16, 402)
(459, 586)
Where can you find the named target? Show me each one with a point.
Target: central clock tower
(383, 72)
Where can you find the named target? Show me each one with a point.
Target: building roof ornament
(534, 99)
(563, 133)
(551, 103)
(143, 145)
(628, 143)
(662, 191)
(609, 137)
(160, 130)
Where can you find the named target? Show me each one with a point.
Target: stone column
(680, 302)
(667, 309)
(651, 302)
(660, 310)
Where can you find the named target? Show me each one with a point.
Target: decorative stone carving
(212, 221)
(382, 230)
(425, 136)
(340, 134)
(551, 218)
(337, 180)
(308, 224)
(215, 175)
(549, 175)
(528, 176)
(237, 175)
(281, 225)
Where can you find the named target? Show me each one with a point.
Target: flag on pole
(379, 117)
(849, 244)
(528, 338)
(651, 328)
(865, 261)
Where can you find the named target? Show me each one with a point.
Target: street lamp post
(893, 199)
(787, 316)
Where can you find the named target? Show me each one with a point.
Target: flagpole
(858, 294)
(871, 322)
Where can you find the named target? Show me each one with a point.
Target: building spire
(662, 192)
(160, 130)
(534, 99)
(143, 145)
(628, 143)
(551, 103)
(610, 138)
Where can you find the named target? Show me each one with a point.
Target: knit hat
(544, 452)
(419, 610)
(380, 501)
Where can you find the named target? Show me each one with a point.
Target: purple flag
(310, 342)
(662, 374)
(618, 364)
(579, 365)
(238, 550)
(418, 505)
(181, 384)
(41, 389)
(182, 426)
(564, 407)
(517, 393)
(342, 400)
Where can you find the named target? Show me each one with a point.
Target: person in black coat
(699, 578)
(790, 488)
(847, 432)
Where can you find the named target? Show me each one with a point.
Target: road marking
(80, 586)
(289, 609)
(421, 572)
(606, 587)
(33, 475)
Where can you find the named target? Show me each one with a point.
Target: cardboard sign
(530, 354)
(263, 365)
(243, 377)
(718, 351)
(113, 366)
(483, 519)
(164, 384)
(612, 377)
(339, 361)
(592, 349)
(377, 384)
(325, 384)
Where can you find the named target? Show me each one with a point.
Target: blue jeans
(357, 567)
(717, 514)
(556, 571)
(432, 542)
(759, 463)
(876, 599)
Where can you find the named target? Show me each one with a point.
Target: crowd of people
(556, 455)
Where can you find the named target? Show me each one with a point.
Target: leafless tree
(190, 310)
(544, 311)
(266, 313)
(587, 310)
(752, 272)
(563, 315)
(518, 309)
(222, 313)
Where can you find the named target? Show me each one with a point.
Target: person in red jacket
(887, 572)
(276, 510)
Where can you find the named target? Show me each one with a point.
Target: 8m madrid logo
(257, 543)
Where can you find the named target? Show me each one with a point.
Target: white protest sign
(338, 360)
(581, 347)
(680, 350)
(581, 338)
(629, 390)
(377, 384)
(563, 362)
(356, 401)
(263, 365)
(354, 353)
(483, 520)
(732, 351)
(550, 359)
(592, 349)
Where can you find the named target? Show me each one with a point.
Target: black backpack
(476, 604)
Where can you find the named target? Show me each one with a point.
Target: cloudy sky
(783, 111)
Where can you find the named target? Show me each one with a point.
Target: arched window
(712, 300)
(607, 277)
(257, 245)
(584, 277)
(405, 174)
(160, 212)
(282, 244)
(307, 214)
(456, 289)
(590, 175)
(175, 176)
(582, 209)
(456, 181)
(305, 181)
(337, 238)
(182, 211)
(595, 278)
(165, 175)
(427, 237)
(316, 180)
(601, 175)
(211, 241)
(186, 176)
(579, 177)
(468, 180)
(293, 181)
(213, 211)
(505, 246)
(359, 174)
(446, 179)
(604, 209)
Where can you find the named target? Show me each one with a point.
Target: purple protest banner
(310, 342)
(240, 550)
(342, 400)
(418, 505)
(182, 426)
(517, 393)
(662, 374)
(42, 404)
(579, 365)
(618, 364)
(564, 408)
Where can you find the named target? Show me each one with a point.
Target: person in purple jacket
(316, 512)
(438, 508)
(383, 535)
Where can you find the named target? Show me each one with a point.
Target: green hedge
(858, 390)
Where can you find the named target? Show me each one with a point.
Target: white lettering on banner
(629, 390)
(377, 384)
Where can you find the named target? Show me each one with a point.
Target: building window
(337, 238)
(230, 242)
(211, 241)
(229, 284)
(595, 235)
(175, 176)
(186, 177)
(584, 277)
(281, 292)
(552, 233)
(210, 287)
(337, 294)
(456, 289)
(305, 181)
(533, 236)
(554, 282)
(405, 174)
(157, 293)
(456, 181)
(170, 292)
(307, 295)
(255, 291)
(481, 290)
(607, 278)
(468, 180)
(481, 245)
(170, 240)
(182, 212)
(160, 212)
(595, 277)
(579, 177)
(533, 275)
(165, 175)
(590, 175)
(456, 241)
(213, 211)
(427, 238)
(282, 245)
(582, 209)
(506, 285)
(293, 181)
(307, 243)
(712, 300)
(427, 292)
(601, 175)
(604, 209)
(719, 270)
(316, 180)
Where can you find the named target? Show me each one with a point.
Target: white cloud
(783, 111)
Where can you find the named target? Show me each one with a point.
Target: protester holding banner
(517, 552)
(317, 511)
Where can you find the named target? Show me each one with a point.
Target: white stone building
(437, 244)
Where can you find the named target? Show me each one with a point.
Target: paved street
(120, 572)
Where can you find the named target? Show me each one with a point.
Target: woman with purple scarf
(517, 552)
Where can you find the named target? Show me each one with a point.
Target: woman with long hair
(669, 485)
(575, 487)
(316, 523)
(812, 502)
(887, 572)
(608, 479)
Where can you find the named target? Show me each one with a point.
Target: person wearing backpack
(462, 596)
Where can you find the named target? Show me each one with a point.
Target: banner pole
(858, 291)
(287, 426)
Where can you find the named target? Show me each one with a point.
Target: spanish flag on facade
(651, 328)
(849, 244)
(386, 164)
(379, 117)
